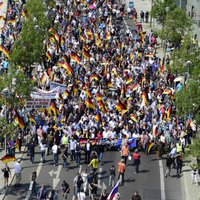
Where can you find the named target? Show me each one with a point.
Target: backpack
(78, 148)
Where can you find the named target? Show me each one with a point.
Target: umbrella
(8, 158)
(179, 79)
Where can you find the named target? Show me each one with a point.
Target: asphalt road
(147, 182)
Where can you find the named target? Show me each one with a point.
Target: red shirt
(136, 156)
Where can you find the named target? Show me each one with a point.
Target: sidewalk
(3, 190)
(192, 192)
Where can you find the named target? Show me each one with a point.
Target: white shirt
(88, 146)
(42, 147)
(17, 168)
(55, 148)
(81, 196)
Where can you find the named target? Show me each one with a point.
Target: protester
(112, 176)
(121, 171)
(18, 172)
(42, 193)
(169, 162)
(6, 174)
(136, 196)
(136, 160)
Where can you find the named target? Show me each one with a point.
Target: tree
(29, 48)
(177, 25)
(161, 8)
(15, 87)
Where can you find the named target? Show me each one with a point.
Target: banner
(43, 94)
(54, 85)
(38, 103)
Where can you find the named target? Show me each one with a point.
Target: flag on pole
(114, 191)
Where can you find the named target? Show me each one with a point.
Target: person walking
(136, 196)
(42, 150)
(194, 176)
(18, 171)
(121, 171)
(125, 152)
(112, 176)
(33, 180)
(146, 16)
(72, 146)
(6, 174)
(42, 193)
(88, 149)
(65, 157)
(65, 189)
(55, 153)
(32, 152)
(179, 162)
(78, 153)
(94, 163)
(141, 16)
(100, 150)
(136, 160)
(104, 195)
(78, 181)
(168, 165)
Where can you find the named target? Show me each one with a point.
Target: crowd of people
(116, 87)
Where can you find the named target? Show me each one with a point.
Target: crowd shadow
(144, 171)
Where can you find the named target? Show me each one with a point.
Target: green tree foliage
(29, 48)
(15, 87)
(177, 25)
(159, 9)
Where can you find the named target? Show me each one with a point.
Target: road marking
(101, 185)
(162, 180)
(80, 169)
(56, 180)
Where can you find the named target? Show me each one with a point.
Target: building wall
(193, 11)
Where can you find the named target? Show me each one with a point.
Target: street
(147, 182)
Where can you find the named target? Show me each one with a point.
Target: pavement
(3, 191)
(191, 192)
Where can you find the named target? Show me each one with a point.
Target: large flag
(120, 106)
(53, 108)
(102, 106)
(89, 104)
(32, 119)
(86, 54)
(134, 118)
(8, 158)
(19, 120)
(169, 111)
(145, 98)
(67, 66)
(75, 57)
(5, 51)
(114, 191)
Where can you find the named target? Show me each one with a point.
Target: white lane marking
(39, 168)
(80, 169)
(162, 180)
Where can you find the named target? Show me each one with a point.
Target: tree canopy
(29, 48)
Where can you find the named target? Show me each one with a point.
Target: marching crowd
(116, 87)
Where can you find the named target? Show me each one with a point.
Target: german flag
(98, 117)
(66, 66)
(120, 106)
(82, 37)
(94, 77)
(89, 94)
(57, 37)
(25, 13)
(48, 55)
(52, 31)
(5, 51)
(162, 69)
(168, 92)
(169, 111)
(131, 55)
(61, 40)
(8, 158)
(86, 54)
(134, 118)
(11, 21)
(102, 106)
(32, 119)
(135, 87)
(2, 18)
(145, 98)
(43, 79)
(53, 109)
(75, 90)
(143, 80)
(109, 84)
(108, 36)
(90, 104)
(99, 97)
(1, 4)
(75, 57)
(19, 120)
(115, 71)
(129, 81)
(49, 72)
(123, 91)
